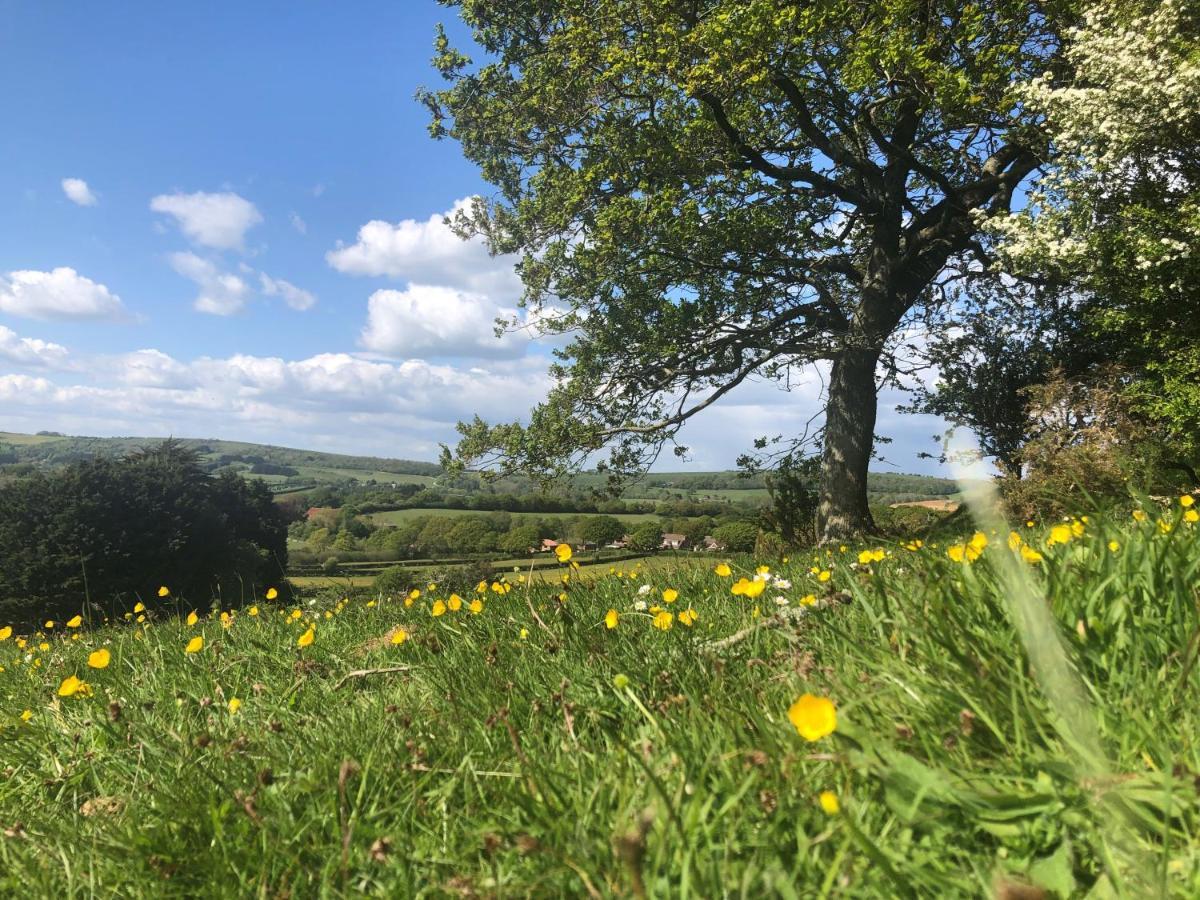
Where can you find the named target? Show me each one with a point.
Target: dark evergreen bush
(100, 535)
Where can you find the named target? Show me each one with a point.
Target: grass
(514, 569)
(531, 751)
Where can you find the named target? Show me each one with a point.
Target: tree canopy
(704, 193)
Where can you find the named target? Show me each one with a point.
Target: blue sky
(185, 247)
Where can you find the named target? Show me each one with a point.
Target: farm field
(749, 495)
(887, 738)
(393, 516)
(26, 440)
(325, 474)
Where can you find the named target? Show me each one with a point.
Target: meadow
(514, 569)
(939, 718)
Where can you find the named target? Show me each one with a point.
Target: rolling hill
(289, 469)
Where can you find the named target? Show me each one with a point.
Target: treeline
(878, 483)
(372, 499)
(345, 534)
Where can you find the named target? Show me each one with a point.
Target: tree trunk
(849, 438)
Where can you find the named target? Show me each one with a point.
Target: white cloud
(298, 223)
(428, 253)
(345, 403)
(221, 293)
(212, 220)
(30, 352)
(77, 191)
(151, 368)
(332, 401)
(59, 294)
(296, 298)
(762, 408)
(425, 320)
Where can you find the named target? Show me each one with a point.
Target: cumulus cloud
(77, 191)
(211, 220)
(332, 401)
(342, 402)
(30, 352)
(762, 408)
(59, 294)
(427, 320)
(221, 293)
(298, 223)
(296, 298)
(150, 368)
(428, 252)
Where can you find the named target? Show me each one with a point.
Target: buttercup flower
(813, 717)
(99, 659)
(72, 685)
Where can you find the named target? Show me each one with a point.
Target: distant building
(674, 541)
(548, 545)
(711, 543)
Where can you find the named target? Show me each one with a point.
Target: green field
(26, 440)
(395, 516)
(748, 495)
(529, 750)
(326, 474)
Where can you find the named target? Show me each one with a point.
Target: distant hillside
(285, 468)
(289, 470)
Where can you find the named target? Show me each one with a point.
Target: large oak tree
(709, 191)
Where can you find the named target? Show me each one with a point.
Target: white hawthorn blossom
(1124, 122)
